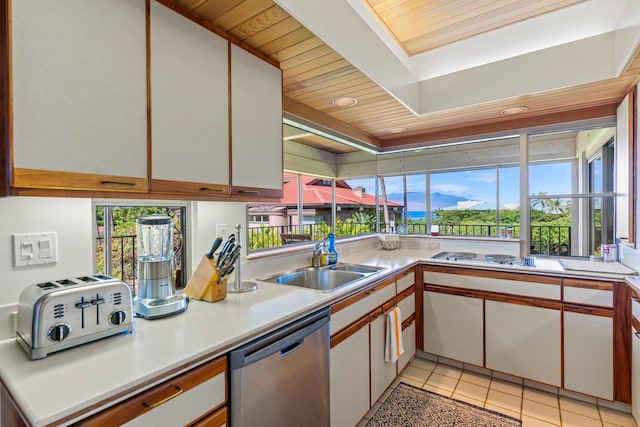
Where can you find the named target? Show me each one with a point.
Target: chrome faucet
(316, 257)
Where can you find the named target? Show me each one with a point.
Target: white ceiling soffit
(579, 44)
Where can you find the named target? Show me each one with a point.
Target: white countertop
(69, 381)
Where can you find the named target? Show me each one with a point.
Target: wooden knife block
(203, 284)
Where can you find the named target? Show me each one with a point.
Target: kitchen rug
(411, 406)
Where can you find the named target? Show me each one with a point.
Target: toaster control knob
(59, 332)
(117, 317)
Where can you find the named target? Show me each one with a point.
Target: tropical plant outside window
(116, 239)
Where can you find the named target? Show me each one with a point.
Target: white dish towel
(393, 337)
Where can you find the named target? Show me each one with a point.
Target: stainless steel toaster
(59, 314)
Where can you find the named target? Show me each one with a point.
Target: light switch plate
(35, 248)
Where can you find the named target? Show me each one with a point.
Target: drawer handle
(635, 299)
(586, 285)
(215, 190)
(369, 292)
(166, 399)
(248, 192)
(128, 184)
(637, 334)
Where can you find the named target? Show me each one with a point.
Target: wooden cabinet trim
(255, 192)
(341, 305)
(408, 321)
(523, 277)
(588, 284)
(622, 343)
(635, 323)
(532, 302)
(348, 331)
(593, 311)
(143, 402)
(406, 293)
(454, 291)
(10, 413)
(57, 180)
(166, 186)
(216, 419)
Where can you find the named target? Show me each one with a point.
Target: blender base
(244, 287)
(157, 308)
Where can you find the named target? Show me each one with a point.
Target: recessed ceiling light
(514, 110)
(344, 101)
(396, 130)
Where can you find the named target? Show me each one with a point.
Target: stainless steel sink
(323, 279)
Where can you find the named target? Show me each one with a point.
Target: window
(476, 202)
(572, 199)
(116, 239)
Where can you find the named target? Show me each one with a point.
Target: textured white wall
(69, 218)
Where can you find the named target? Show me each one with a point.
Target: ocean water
(418, 215)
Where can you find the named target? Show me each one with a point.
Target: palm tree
(540, 203)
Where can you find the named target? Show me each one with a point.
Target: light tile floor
(534, 407)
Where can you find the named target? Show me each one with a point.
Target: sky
(554, 178)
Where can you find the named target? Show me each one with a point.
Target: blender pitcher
(156, 266)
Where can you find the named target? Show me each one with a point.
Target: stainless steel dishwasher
(282, 379)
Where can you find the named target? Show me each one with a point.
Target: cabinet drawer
(588, 292)
(349, 310)
(405, 280)
(537, 287)
(178, 401)
(407, 306)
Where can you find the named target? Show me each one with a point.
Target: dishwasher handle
(285, 340)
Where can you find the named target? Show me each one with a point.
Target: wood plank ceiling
(314, 74)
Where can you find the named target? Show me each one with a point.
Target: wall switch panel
(34, 248)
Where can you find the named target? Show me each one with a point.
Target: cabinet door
(382, 373)
(256, 125)
(178, 401)
(635, 377)
(523, 340)
(408, 342)
(349, 378)
(592, 335)
(79, 95)
(453, 326)
(189, 105)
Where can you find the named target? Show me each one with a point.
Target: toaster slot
(87, 279)
(102, 277)
(47, 285)
(66, 282)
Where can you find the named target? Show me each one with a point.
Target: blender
(156, 296)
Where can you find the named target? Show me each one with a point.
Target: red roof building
(316, 198)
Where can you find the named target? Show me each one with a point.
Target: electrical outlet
(221, 230)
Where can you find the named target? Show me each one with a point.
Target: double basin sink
(324, 279)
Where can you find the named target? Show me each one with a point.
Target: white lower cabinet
(524, 340)
(382, 373)
(635, 373)
(453, 326)
(409, 344)
(349, 378)
(588, 354)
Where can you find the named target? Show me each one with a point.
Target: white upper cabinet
(256, 124)
(189, 103)
(79, 91)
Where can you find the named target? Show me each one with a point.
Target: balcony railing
(123, 258)
(545, 239)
